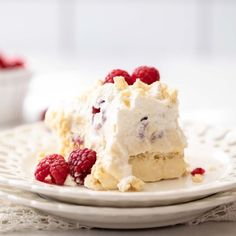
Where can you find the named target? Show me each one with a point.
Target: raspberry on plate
(80, 163)
(118, 72)
(146, 74)
(198, 171)
(52, 169)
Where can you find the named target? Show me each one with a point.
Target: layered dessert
(127, 126)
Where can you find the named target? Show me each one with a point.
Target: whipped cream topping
(129, 120)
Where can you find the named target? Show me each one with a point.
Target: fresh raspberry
(6, 63)
(118, 72)
(80, 164)
(146, 74)
(59, 171)
(198, 171)
(52, 169)
(42, 170)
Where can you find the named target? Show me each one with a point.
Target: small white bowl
(13, 88)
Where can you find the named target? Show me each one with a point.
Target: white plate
(209, 147)
(120, 218)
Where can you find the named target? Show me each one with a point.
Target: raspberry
(6, 63)
(80, 164)
(198, 171)
(42, 170)
(52, 169)
(146, 74)
(118, 72)
(59, 171)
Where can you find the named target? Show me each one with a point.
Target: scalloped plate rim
(117, 217)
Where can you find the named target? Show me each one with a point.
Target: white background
(117, 28)
(70, 43)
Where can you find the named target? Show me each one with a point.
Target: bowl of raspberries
(14, 81)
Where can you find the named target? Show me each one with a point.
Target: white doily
(226, 212)
(20, 218)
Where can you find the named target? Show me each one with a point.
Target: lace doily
(226, 212)
(20, 218)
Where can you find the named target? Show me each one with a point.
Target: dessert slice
(133, 129)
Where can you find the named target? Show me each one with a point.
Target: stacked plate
(159, 204)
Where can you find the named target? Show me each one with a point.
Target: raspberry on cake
(118, 72)
(146, 74)
(132, 128)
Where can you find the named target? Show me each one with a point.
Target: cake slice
(133, 129)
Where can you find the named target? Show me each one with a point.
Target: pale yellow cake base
(146, 167)
(152, 167)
